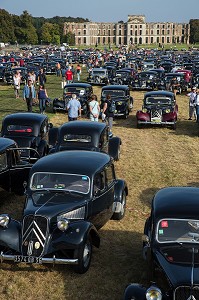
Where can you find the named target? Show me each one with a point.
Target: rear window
(19, 129)
(77, 138)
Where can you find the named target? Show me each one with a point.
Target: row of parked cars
(72, 190)
(70, 186)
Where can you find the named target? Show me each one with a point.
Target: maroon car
(159, 108)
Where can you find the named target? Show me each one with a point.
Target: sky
(180, 11)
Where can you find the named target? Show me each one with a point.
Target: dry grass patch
(151, 158)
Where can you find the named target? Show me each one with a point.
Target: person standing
(41, 77)
(29, 94)
(108, 113)
(69, 75)
(197, 105)
(78, 71)
(58, 69)
(192, 104)
(42, 96)
(94, 108)
(74, 108)
(16, 83)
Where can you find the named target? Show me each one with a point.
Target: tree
(194, 31)
(6, 27)
(24, 30)
(50, 33)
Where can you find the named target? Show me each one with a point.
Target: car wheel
(174, 126)
(54, 110)
(180, 90)
(126, 114)
(83, 254)
(121, 214)
(138, 125)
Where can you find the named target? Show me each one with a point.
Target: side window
(99, 183)
(3, 161)
(110, 175)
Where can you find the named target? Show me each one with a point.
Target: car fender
(10, 236)
(140, 115)
(73, 237)
(135, 291)
(53, 136)
(119, 188)
(114, 147)
(42, 148)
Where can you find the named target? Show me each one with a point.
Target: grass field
(151, 158)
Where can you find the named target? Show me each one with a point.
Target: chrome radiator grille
(186, 293)
(34, 233)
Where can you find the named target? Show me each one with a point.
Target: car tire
(83, 254)
(174, 126)
(121, 214)
(54, 110)
(138, 125)
(117, 157)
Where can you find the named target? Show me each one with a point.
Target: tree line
(25, 29)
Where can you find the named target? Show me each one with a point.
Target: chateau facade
(135, 31)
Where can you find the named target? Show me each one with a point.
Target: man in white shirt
(192, 103)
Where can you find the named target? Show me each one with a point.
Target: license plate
(28, 259)
(156, 120)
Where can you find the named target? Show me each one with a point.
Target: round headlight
(63, 224)
(144, 110)
(4, 220)
(154, 293)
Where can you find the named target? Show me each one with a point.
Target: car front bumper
(38, 260)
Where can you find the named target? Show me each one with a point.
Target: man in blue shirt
(74, 108)
(29, 94)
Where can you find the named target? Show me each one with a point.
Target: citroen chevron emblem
(30, 247)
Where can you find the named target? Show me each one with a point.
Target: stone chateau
(135, 31)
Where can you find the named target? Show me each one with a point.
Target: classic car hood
(178, 268)
(51, 204)
(21, 140)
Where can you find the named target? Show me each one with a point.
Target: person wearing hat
(29, 94)
(192, 104)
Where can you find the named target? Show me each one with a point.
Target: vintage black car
(122, 77)
(159, 108)
(146, 80)
(27, 130)
(2, 73)
(13, 170)
(9, 73)
(85, 135)
(181, 85)
(98, 76)
(120, 94)
(83, 91)
(171, 247)
(70, 195)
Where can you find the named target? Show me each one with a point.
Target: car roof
(74, 162)
(6, 143)
(23, 117)
(90, 128)
(115, 87)
(176, 202)
(157, 93)
(80, 84)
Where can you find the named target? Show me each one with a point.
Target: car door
(4, 171)
(100, 210)
(18, 171)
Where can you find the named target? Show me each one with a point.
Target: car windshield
(79, 91)
(158, 100)
(113, 93)
(60, 181)
(77, 138)
(20, 129)
(178, 230)
(146, 76)
(99, 72)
